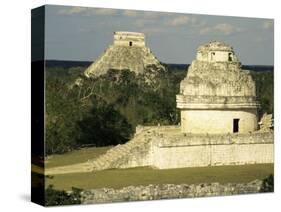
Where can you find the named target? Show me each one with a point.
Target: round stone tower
(217, 96)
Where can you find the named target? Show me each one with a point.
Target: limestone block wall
(218, 121)
(212, 150)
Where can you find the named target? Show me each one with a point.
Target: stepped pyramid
(127, 52)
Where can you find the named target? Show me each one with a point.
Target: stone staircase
(122, 156)
(133, 153)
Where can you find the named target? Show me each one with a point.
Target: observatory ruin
(128, 52)
(217, 96)
(218, 125)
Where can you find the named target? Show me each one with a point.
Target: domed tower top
(216, 51)
(216, 71)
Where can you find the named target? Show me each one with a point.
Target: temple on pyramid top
(128, 52)
(135, 39)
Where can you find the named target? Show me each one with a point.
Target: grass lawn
(118, 178)
(76, 156)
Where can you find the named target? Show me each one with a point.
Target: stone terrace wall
(178, 151)
(168, 191)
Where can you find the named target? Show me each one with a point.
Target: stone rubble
(266, 123)
(168, 191)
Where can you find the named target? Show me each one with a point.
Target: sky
(84, 33)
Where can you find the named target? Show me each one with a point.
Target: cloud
(131, 13)
(205, 30)
(72, 10)
(227, 29)
(87, 11)
(141, 22)
(105, 11)
(151, 14)
(179, 20)
(152, 30)
(224, 28)
(268, 24)
(143, 14)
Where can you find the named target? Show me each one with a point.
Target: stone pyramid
(127, 52)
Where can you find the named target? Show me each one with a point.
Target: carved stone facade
(127, 52)
(217, 96)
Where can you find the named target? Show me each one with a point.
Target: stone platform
(165, 147)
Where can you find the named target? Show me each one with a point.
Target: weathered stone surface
(168, 191)
(266, 123)
(127, 52)
(216, 91)
(132, 154)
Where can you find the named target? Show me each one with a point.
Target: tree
(104, 126)
(268, 184)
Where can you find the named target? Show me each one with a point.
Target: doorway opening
(230, 57)
(130, 43)
(235, 125)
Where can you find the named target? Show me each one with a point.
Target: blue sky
(83, 33)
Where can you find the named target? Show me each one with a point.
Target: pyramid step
(108, 156)
(97, 165)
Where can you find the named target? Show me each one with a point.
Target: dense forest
(106, 110)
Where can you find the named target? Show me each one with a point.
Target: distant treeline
(172, 66)
(66, 63)
(258, 67)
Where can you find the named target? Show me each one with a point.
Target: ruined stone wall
(165, 147)
(168, 191)
(218, 121)
(212, 150)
